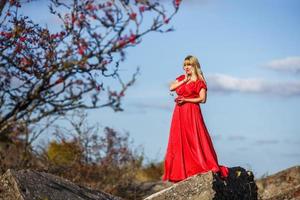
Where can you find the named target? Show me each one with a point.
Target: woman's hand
(180, 100)
(175, 84)
(186, 78)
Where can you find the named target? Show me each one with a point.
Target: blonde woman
(190, 149)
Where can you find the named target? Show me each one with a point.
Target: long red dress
(190, 150)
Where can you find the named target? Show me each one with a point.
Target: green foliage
(64, 153)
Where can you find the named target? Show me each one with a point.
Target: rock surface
(209, 186)
(33, 185)
(282, 185)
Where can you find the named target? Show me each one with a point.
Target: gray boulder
(34, 185)
(283, 185)
(239, 185)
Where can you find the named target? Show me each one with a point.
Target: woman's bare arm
(175, 84)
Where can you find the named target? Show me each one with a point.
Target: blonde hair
(195, 63)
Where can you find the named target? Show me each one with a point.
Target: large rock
(209, 186)
(282, 185)
(33, 185)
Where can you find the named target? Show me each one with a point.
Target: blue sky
(250, 56)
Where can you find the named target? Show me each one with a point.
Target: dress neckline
(192, 81)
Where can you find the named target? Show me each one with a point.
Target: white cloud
(289, 64)
(229, 84)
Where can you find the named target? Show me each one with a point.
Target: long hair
(196, 64)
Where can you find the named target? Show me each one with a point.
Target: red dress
(190, 150)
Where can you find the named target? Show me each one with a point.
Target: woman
(190, 150)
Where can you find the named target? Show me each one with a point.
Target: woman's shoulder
(200, 83)
(180, 77)
(203, 84)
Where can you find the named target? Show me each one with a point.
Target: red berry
(132, 16)
(142, 8)
(89, 6)
(81, 50)
(59, 80)
(177, 3)
(22, 39)
(132, 38)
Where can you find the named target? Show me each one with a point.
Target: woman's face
(188, 68)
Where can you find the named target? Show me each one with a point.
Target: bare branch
(44, 74)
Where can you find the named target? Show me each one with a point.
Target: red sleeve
(201, 85)
(180, 78)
